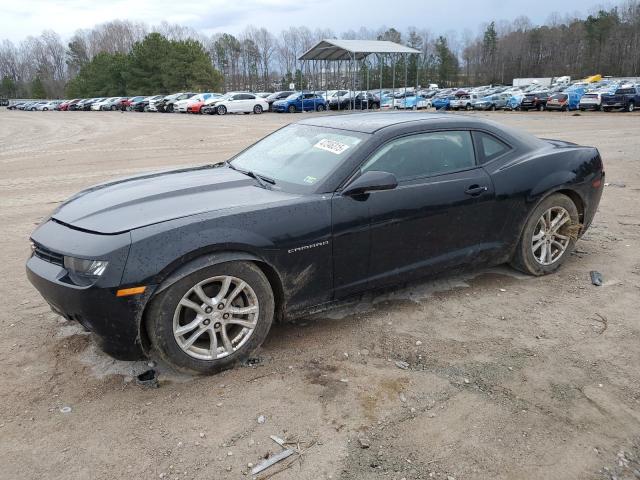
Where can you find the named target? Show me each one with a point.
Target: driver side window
(424, 155)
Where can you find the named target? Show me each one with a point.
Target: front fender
(203, 261)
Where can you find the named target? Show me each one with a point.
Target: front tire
(213, 318)
(292, 109)
(549, 236)
(222, 110)
(320, 108)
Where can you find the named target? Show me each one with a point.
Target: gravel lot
(509, 377)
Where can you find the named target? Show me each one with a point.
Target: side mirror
(371, 181)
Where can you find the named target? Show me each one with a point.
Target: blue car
(297, 102)
(442, 103)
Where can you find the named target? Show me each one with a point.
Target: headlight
(84, 272)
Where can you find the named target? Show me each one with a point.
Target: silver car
(491, 102)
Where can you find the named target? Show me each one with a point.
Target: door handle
(475, 190)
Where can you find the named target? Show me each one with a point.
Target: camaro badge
(307, 247)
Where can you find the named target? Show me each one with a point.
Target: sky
(21, 18)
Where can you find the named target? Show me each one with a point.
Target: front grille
(47, 255)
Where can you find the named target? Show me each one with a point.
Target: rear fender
(552, 182)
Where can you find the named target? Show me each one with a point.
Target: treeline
(123, 57)
(154, 64)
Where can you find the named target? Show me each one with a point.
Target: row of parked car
(214, 103)
(602, 95)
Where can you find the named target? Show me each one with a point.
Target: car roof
(372, 122)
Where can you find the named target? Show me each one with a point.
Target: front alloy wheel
(215, 317)
(222, 110)
(211, 318)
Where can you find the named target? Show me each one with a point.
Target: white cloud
(18, 19)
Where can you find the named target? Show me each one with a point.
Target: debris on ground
(364, 441)
(278, 457)
(615, 184)
(148, 379)
(65, 410)
(603, 320)
(262, 419)
(402, 365)
(596, 278)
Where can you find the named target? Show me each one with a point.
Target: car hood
(136, 202)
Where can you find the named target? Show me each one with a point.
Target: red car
(126, 103)
(65, 105)
(195, 107)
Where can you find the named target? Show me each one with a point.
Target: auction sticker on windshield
(331, 146)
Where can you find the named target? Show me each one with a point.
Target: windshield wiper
(261, 179)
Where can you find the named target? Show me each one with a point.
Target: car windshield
(298, 157)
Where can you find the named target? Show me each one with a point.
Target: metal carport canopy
(334, 49)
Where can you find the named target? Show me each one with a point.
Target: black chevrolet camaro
(195, 264)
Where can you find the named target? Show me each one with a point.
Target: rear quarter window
(489, 147)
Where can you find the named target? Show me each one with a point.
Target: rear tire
(631, 107)
(527, 257)
(234, 342)
(540, 107)
(257, 109)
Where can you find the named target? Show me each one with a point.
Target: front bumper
(115, 320)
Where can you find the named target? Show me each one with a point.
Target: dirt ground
(509, 377)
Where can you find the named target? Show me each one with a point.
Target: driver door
(442, 214)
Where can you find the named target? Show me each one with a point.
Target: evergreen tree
(37, 89)
(447, 62)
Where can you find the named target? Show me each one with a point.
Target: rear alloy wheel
(631, 107)
(540, 107)
(320, 108)
(257, 109)
(548, 237)
(212, 318)
(221, 109)
(292, 109)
